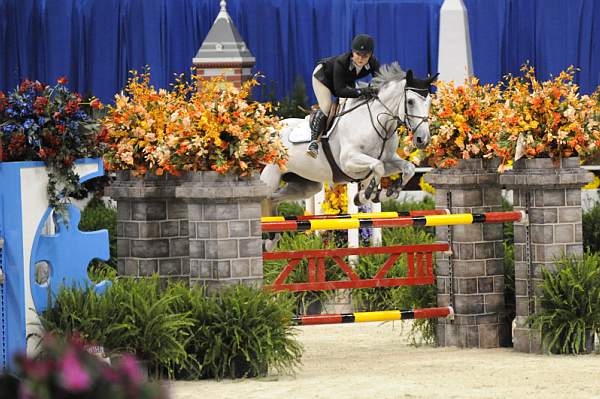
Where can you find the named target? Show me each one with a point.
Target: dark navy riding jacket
(339, 74)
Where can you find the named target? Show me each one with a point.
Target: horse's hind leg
(293, 190)
(297, 190)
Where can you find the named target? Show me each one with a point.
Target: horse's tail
(271, 176)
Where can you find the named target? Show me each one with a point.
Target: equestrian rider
(337, 76)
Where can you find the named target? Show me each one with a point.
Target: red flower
(40, 103)
(72, 106)
(96, 104)
(26, 84)
(63, 80)
(60, 128)
(3, 101)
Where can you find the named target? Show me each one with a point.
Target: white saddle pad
(300, 133)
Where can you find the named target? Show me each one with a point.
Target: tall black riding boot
(317, 126)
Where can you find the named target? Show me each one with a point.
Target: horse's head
(416, 104)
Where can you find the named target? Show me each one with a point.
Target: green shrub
(131, 316)
(404, 297)
(241, 332)
(97, 216)
(298, 242)
(428, 203)
(398, 206)
(290, 209)
(295, 104)
(591, 229)
(570, 301)
(236, 333)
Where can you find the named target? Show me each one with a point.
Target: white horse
(362, 141)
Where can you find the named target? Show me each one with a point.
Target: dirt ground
(375, 360)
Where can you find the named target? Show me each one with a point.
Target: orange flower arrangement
(462, 122)
(197, 126)
(544, 119)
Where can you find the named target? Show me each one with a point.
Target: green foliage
(241, 332)
(235, 333)
(397, 206)
(405, 297)
(295, 104)
(428, 203)
(132, 316)
(298, 242)
(509, 277)
(591, 229)
(570, 302)
(290, 209)
(98, 216)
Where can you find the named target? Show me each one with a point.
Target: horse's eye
(411, 102)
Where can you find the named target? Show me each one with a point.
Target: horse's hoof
(376, 199)
(357, 200)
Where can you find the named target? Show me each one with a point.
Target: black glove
(368, 92)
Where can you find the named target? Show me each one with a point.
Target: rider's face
(360, 59)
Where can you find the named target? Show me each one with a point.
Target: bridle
(386, 134)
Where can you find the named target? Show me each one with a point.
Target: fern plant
(570, 302)
(241, 332)
(131, 316)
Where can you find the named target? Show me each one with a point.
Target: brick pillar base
(152, 227)
(224, 227)
(551, 194)
(472, 278)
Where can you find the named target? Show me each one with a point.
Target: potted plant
(202, 125)
(570, 302)
(463, 123)
(40, 122)
(545, 119)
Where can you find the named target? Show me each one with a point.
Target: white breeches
(322, 93)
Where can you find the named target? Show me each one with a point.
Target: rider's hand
(368, 92)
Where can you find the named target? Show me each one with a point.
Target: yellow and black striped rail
(365, 317)
(360, 215)
(428, 220)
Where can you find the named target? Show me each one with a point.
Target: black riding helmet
(363, 44)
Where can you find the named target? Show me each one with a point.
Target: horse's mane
(388, 73)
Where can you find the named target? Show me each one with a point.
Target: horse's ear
(409, 75)
(433, 78)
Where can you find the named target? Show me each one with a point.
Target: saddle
(338, 175)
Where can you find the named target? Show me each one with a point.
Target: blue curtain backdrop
(96, 42)
(550, 34)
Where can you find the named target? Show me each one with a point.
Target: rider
(337, 76)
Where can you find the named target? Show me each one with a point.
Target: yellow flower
(593, 185)
(428, 188)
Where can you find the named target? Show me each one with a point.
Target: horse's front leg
(398, 165)
(357, 163)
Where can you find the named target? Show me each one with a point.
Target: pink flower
(132, 370)
(74, 377)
